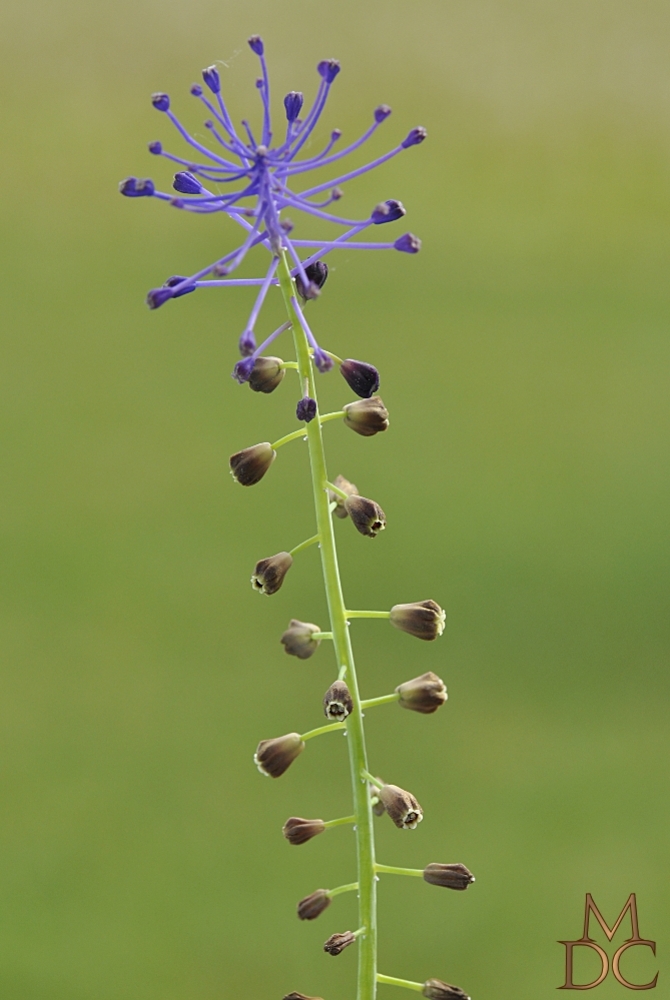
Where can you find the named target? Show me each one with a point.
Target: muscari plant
(253, 181)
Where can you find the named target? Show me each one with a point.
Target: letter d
(569, 985)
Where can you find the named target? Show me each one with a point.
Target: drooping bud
(269, 574)
(299, 996)
(293, 104)
(212, 79)
(250, 465)
(388, 211)
(360, 376)
(424, 619)
(337, 703)
(266, 374)
(367, 416)
(156, 148)
(449, 876)
(316, 274)
(306, 409)
(312, 906)
(368, 517)
(256, 44)
(186, 183)
(298, 639)
(382, 112)
(408, 243)
(336, 943)
(299, 831)
(161, 102)
(273, 757)
(133, 187)
(401, 806)
(435, 989)
(346, 487)
(423, 694)
(414, 137)
(328, 69)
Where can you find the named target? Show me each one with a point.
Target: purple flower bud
(156, 148)
(317, 274)
(388, 211)
(259, 83)
(242, 370)
(196, 90)
(212, 79)
(293, 104)
(186, 183)
(306, 409)
(256, 44)
(177, 279)
(414, 137)
(408, 243)
(299, 831)
(161, 102)
(361, 377)
(157, 296)
(328, 69)
(382, 113)
(247, 343)
(134, 188)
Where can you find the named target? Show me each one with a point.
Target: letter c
(569, 985)
(617, 972)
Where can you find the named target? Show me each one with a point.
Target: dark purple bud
(134, 188)
(161, 102)
(322, 360)
(382, 113)
(196, 90)
(247, 343)
(312, 906)
(242, 370)
(436, 989)
(316, 274)
(328, 69)
(336, 943)
(306, 409)
(408, 243)
(414, 137)
(273, 757)
(388, 211)
(299, 831)
(449, 876)
(186, 183)
(156, 148)
(259, 83)
(175, 280)
(293, 104)
(361, 377)
(212, 79)
(157, 296)
(256, 44)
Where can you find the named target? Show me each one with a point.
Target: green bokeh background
(524, 358)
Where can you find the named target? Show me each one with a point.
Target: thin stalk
(368, 614)
(383, 699)
(330, 416)
(293, 436)
(330, 728)
(343, 888)
(365, 850)
(407, 983)
(321, 635)
(340, 821)
(392, 870)
(305, 545)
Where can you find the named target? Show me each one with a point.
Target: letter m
(591, 908)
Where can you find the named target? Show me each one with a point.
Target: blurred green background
(524, 359)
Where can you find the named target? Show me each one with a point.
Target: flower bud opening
(424, 619)
(161, 102)
(337, 702)
(298, 639)
(366, 416)
(423, 694)
(212, 79)
(299, 831)
(388, 211)
(269, 574)
(413, 138)
(250, 465)
(273, 757)
(312, 906)
(401, 806)
(450, 876)
(367, 516)
(328, 69)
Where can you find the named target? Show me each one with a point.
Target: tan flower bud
(336, 943)
(266, 374)
(366, 416)
(422, 694)
(273, 757)
(250, 465)
(299, 831)
(337, 703)
(449, 876)
(269, 574)
(435, 989)
(297, 639)
(401, 806)
(346, 487)
(312, 906)
(368, 517)
(424, 619)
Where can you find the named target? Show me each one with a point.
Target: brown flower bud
(250, 465)
(269, 574)
(273, 757)
(337, 703)
(368, 517)
(299, 831)
(336, 943)
(422, 694)
(299, 996)
(347, 488)
(312, 906)
(424, 619)
(401, 806)
(435, 989)
(298, 639)
(449, 876)
(366, 416)
(266, 374)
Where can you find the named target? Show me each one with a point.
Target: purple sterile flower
(306, 409)
(253, 175)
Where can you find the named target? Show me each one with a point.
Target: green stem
(371, 778)
(329, 416)
(289, 364)
(383, 699)
(306, 544)
(368, 614)
(392, 870)
(365, 850)
(337, 491)
(339, 822)
(293, 436)
(330, 728)
(343, 888)
(407, 983)
(321, 635)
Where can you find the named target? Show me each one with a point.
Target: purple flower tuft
(132, 187)
(416, 136)
(161, 102)
(328, 69)
(361, 377)
(196, 90)
(212, 79)
(388, 211)
(186, 183)
(382, 112)
(256, 44)
(156, 148)
(243, 369)
(247, 343)
(408, 243)
(293, 104)
(306, 409)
